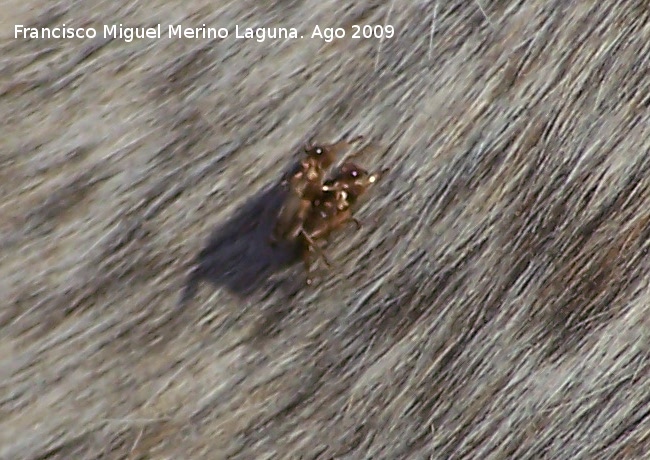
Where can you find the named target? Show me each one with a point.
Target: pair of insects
(317, 205)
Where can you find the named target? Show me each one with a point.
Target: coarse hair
(494, 303)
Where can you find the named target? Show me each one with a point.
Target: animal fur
(494, 305)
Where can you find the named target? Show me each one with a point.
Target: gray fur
(494, 305)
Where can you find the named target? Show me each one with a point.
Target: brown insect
(305, 186)
(333, 209)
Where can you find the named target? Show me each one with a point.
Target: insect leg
(306, 259)
(314, 247)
